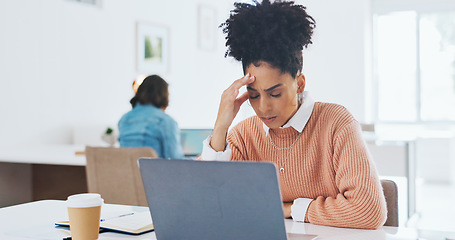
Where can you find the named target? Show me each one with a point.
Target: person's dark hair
(153, 90)
(272, 32)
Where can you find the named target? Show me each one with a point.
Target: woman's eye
(253, 97)
(275, 95)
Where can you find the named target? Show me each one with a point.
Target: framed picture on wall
(151, 48)
(207, 27)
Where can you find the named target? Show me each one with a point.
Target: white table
(37, 219)
(55, 154)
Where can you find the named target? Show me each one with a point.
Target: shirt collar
(301, 117)
(145, 105)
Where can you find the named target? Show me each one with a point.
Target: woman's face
(273, 95)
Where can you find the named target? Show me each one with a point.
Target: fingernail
(247, 76)
(252, 77)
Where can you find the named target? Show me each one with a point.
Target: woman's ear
(300, 83)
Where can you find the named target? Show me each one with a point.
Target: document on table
(131, 223)
(135, 223)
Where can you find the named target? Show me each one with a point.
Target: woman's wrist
(287, 209)
(218, 140)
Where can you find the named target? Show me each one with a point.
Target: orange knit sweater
(328, 163)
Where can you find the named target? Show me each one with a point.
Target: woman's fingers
(229, 95)
(240, 100)
(230, 102)
(237, 84)
(247, 79)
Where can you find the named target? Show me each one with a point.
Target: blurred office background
(67, 66)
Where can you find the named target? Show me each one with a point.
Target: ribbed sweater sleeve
(360, 202)
(238, 146)
(328, 163)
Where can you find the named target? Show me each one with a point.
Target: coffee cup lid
(84, 200)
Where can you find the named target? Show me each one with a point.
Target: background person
(147, 125)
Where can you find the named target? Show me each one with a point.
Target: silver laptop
(206, 200)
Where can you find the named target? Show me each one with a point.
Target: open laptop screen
(191, 140)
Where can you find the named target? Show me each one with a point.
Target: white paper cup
(84, 214)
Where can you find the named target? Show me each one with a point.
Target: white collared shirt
(301, 117)
(298, 122)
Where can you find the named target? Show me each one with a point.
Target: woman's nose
(264, 105)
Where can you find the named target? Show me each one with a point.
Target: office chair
(114, 173)
(390, 190)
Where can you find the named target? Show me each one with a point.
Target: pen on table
(123, 215)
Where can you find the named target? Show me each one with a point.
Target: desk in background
(38, 172)
(36, 220)
(55, 171)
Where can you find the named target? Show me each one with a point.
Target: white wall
(66, 64)
(337, 66)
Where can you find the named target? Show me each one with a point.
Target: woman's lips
(268, 119)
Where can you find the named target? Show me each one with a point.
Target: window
(437, 66)
(415, 66)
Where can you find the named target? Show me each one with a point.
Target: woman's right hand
(229, 107)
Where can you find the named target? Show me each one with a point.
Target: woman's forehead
(268, 77)
(261, 84)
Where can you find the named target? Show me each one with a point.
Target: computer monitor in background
(191, 140)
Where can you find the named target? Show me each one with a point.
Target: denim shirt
(149, 126)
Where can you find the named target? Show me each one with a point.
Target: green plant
(109, 130)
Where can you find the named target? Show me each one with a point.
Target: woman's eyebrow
(250, 88)
(266, 90)
(270, 89)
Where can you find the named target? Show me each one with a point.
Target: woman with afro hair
(326, 174)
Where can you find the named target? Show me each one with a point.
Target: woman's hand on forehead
(245, 80)
(229, 107)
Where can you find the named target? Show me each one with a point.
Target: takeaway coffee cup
(84, 214)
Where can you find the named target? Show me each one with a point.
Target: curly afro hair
(272, 32)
